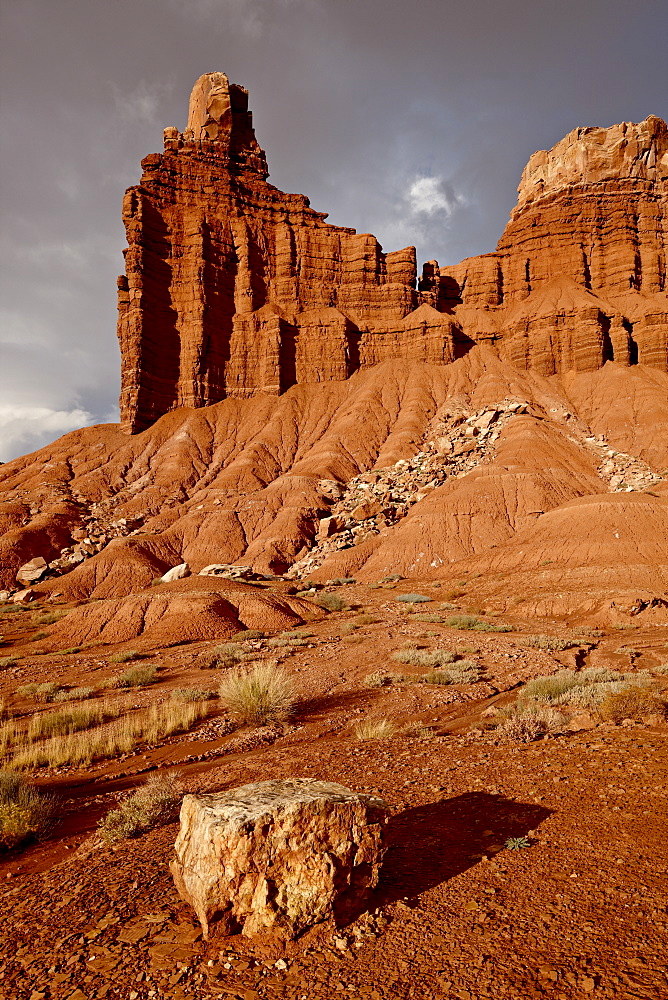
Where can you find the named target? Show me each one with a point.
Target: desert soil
(580, 911)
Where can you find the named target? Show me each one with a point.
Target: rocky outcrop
(278, 855)
(579, 275)
(234, 288)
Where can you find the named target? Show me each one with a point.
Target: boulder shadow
(430, 844)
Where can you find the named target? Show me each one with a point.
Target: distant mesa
(234, 288)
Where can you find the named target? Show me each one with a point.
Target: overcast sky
(411, 120)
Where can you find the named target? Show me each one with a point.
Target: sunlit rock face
(234, 288)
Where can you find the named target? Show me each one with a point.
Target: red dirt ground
(580, 912)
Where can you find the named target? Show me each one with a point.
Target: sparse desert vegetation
(155, 802)
(259, 693)
(25, 812)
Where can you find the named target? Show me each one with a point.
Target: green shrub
(280, 641)
(130, 654)
(330, 602)
(138, 676)
(249, 633)
(259, 693)
(38, 692)
(341, 581)
(154, 804)
(517, 843)
(393, 578)
(413, 598)
(24, 811)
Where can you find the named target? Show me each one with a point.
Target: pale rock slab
(176, 573)
(278, 855)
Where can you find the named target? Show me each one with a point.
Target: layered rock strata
(233, 287)
(278, 855)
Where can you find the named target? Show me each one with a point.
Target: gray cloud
(355, 101)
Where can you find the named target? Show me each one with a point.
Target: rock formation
(278, 855)
(234, 288)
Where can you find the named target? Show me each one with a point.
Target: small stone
(588, 984)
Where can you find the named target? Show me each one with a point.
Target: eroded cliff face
(233, 287)
(579, 275)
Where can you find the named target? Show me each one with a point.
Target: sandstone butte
(275, 369)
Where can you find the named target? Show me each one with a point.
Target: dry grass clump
(138, 676)
(24, 811)
(523, 724)
(192, 694)
(249, 633)
(119, 737)
(375, 729)
(474, 624)
(366, 619)
(49, 618)
(154, 804)
(341, 581)
(585, 689)
(74, 694)
(423, 657)
(259, 693)
(228, 655)
(130, 654)
(550, 642)
(416, 731)
(70, 720)
(436, 677)
(330, 602)
(413, 598)
(382, 678)
(7, 661)
(38, 692)
(437, 619)
(282, 640)
(660, 668)
(631, 702)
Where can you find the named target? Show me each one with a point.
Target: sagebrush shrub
(413, 598)
(24, 811)
(423, 657)
(138, 676)
(632, 702)
(39, 692)
(330, 602)
(155, 803)
(129, 654)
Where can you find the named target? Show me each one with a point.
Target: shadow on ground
(431, 844)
